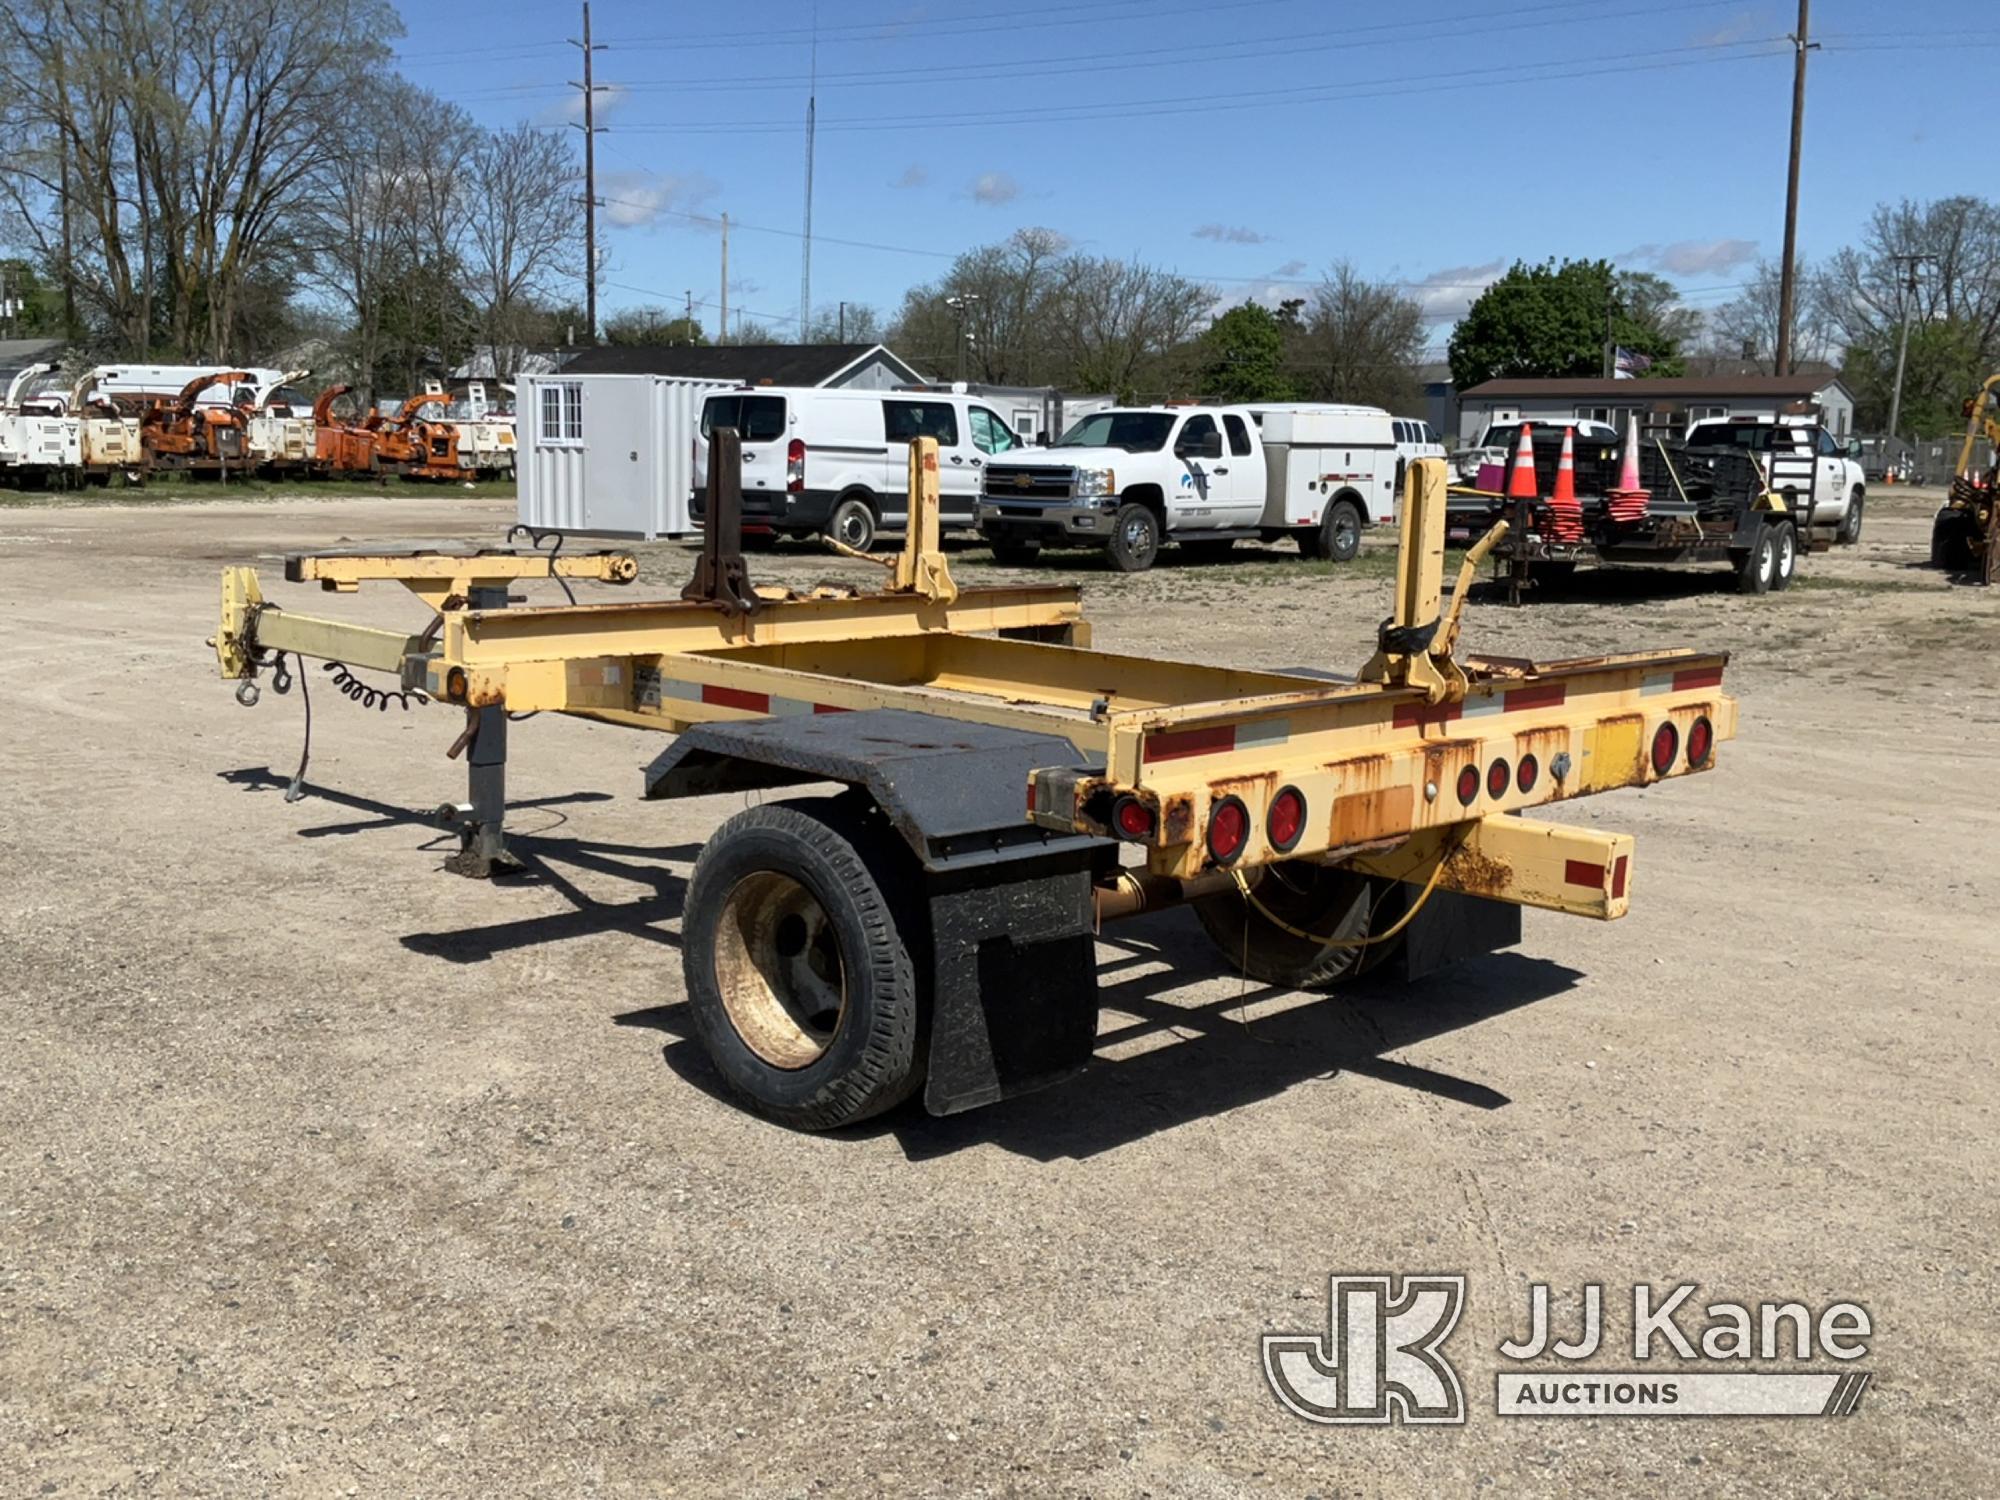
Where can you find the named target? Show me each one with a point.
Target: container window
(561, 422)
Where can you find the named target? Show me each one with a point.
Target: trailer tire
(1755, 564)
(1135, 538)
(1850, 520)
(1332, 905)
(1784, 555)
(1340, 532)
(798, 972)
(853, 523)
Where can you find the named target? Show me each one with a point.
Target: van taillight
(795, 465)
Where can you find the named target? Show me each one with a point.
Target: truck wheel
(1016, 554)
(1850, 523)
(1785, 555)
(1135, 539)
(1755, 564)
(1290, 928)
(1340, 532)
(853, 522)
(798, 974)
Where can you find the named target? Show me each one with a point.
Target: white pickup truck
(1204, 477)
(1799, 458)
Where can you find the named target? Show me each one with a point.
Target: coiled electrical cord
(535, 539)
(367, 694)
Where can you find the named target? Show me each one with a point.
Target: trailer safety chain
(535, 540)
(1430, 886)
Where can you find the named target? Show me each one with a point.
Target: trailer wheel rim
(779, 971)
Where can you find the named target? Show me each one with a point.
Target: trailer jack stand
(482, 841)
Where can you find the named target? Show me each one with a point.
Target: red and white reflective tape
(1686, 680)
(1219, 739)
(1513, 701)
(652, 690)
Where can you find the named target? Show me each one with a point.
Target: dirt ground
(323, 1172)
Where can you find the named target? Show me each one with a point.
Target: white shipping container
(608, 455)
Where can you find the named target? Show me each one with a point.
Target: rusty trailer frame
(1106, 783)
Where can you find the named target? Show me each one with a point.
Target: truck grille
(1004, 482)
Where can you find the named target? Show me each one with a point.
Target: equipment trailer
(1007, 789)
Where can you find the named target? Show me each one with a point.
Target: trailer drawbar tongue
(1005, 790)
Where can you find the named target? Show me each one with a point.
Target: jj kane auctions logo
(1381, 1358)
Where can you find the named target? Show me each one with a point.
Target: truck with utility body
(1000, 790)
(1133, 479)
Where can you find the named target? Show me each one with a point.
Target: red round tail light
(1132, 818)
(1528, 773)
(1666, 745)
(1701, 742)
(1497, 776)
(1468, 786)
(1228, 830)
(1285, 823)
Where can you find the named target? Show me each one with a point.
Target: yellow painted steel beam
(436, 576)
(249, 626)
(501, 637)
(1581, 872)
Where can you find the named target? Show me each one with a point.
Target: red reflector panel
(1701, 742)
(1184, 742)
(1287, 819)
(729, 697)
(1583, 872)
(1497, 776)
(1618, 877)
(1228, 829)
(1697, 677)
(1666, 745)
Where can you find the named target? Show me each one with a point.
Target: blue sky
(1248, 142)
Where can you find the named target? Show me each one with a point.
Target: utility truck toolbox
(1005, 789)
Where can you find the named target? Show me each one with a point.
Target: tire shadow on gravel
(1218, 1060)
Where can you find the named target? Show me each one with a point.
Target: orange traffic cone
(1565, 510)
(1629, 500)
(1521, 483)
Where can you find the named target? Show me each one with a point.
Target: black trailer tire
(1340, 532)
(1755, 564)
(853, 523)
(1260, 933)
(1135, 539)
(798, 972)
(1016, 554)
(1850, 520)
(1784, 556)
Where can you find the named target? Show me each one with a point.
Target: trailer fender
(1004, 910)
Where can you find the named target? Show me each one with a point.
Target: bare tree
(522, 234)
(1745, 329)
(1126, 327)
(1004, 292)
(1359, 341)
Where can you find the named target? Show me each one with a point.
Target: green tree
(1243, 357)
(1551, 320)
(30, 307)
(652, 325)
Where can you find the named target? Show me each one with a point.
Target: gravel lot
(323, 1172)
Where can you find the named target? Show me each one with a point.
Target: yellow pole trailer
(1008, 789)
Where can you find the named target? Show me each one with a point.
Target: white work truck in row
(1130, 479)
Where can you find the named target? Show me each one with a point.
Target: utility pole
(1903, 340)
(687, 322)
(722, 328)
(843, 322)
(806, 246)
(589, 128)
(960, 306)
(1788, 273)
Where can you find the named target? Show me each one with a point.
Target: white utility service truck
(1204, 477)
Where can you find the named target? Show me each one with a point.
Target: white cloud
(1290, 269)
(1694, 257)
(635, 198)
(1231, 234)
(914, 176)
(1446, 295)
(995, 188)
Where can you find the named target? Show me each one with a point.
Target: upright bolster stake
(720, 576)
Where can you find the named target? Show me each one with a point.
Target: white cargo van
(837, 461)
